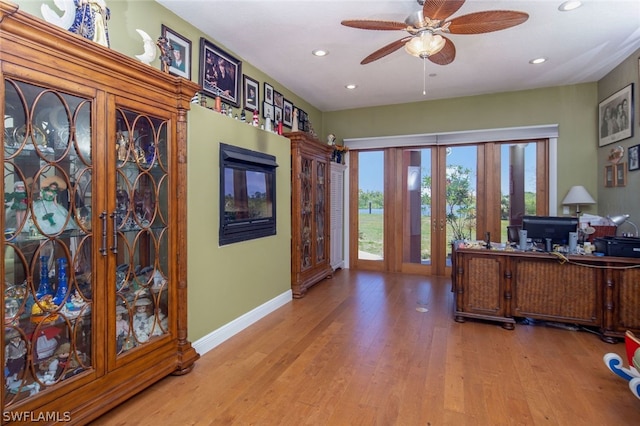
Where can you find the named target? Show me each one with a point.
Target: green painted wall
(223, 282)
(226, 282)
(573, 108)
(624, 200)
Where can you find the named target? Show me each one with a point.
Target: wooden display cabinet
(94, 254)
(310, 212)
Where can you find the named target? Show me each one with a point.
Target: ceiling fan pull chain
(424, 76)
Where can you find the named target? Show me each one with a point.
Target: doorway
(408, 204)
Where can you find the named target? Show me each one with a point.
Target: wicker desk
(602, 292)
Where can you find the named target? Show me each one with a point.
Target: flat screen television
(555, 227)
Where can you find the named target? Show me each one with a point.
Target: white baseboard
(216, 337)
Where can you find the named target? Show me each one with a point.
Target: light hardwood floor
(357, 350)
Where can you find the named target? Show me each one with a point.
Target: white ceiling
(277, 37)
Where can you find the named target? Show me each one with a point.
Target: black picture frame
(213, 84)
(268, 93)
(615, 117)
(267, 110)
(634, 158)
(277, 114)
(287, 113)
(303, 120)
(181, 53)
(251, 90)
(278, 99)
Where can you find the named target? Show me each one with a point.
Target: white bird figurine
(150, 50)
(66, 20)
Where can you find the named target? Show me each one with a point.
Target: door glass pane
(461, 190)
(47, 284)
(141, 220)
(371, 205)
(518, 184)
(417, 206)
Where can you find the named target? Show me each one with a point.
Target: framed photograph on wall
(277, 111)
(634, 158)
(278, 99)
(220, 73)
(615, 116)
(621, 174)
(267, 110)
(180, 54)
(609, 178)
(287, 113)
(268, 94)
(251, 93)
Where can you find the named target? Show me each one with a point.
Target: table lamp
(578, 195)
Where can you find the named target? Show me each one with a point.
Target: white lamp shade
(424, 45)
(578, 195)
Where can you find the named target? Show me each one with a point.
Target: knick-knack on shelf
(294, 124)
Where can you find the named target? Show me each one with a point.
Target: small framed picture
(220, 73)
(287, 113)
(609, 178)
(251, 95)
(277, 113)
(180, 53)
(278, 99)
(621, 174)
(267, 110)
(268, 94)
(634, 156)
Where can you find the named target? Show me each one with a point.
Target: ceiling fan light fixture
(424, 45)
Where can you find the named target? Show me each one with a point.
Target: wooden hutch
(95, 281)
(310, 212)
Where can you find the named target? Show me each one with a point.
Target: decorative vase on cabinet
(310, 212)
(94, 255)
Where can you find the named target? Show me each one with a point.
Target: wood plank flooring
(358, 351)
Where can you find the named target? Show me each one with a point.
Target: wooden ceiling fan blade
(384, 51)
(446, 55)
(486, 22)
(441, 9)
(365, 24)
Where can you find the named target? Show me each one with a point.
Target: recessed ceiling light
(320, 52)
(538, 60)
(350, 86)
(569, 5)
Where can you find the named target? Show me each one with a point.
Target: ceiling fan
(424, 25)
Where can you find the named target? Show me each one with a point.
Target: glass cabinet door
(48, 290)
(141, 221)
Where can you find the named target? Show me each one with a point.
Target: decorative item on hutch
(338, 153)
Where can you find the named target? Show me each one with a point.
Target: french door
(408, 204)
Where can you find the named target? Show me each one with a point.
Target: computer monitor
(555, 227)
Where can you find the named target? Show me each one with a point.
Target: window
(247, 194)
